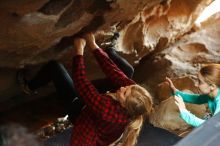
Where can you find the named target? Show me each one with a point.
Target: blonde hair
(139, 104)
(211, 74)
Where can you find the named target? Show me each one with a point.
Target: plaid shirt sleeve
(85, 89)
(117, 77)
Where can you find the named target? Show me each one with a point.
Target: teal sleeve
(217, 110)
(193, 98)
(191, 119)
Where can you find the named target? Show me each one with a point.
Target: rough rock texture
(166, 114)
(182, 58)
(30, 28)
(157, 27)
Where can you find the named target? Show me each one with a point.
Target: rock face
(159, 35)
(182, 58)
(30, 29)
(160, 25)
(166, 114)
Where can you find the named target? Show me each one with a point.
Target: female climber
(105, 117)
(208, 84)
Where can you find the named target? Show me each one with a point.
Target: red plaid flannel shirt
(104, 119)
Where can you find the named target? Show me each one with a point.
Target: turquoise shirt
(213, 104)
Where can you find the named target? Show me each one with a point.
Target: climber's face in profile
(203, 86)
(135, 99)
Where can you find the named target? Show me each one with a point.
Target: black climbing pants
(56, 72)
